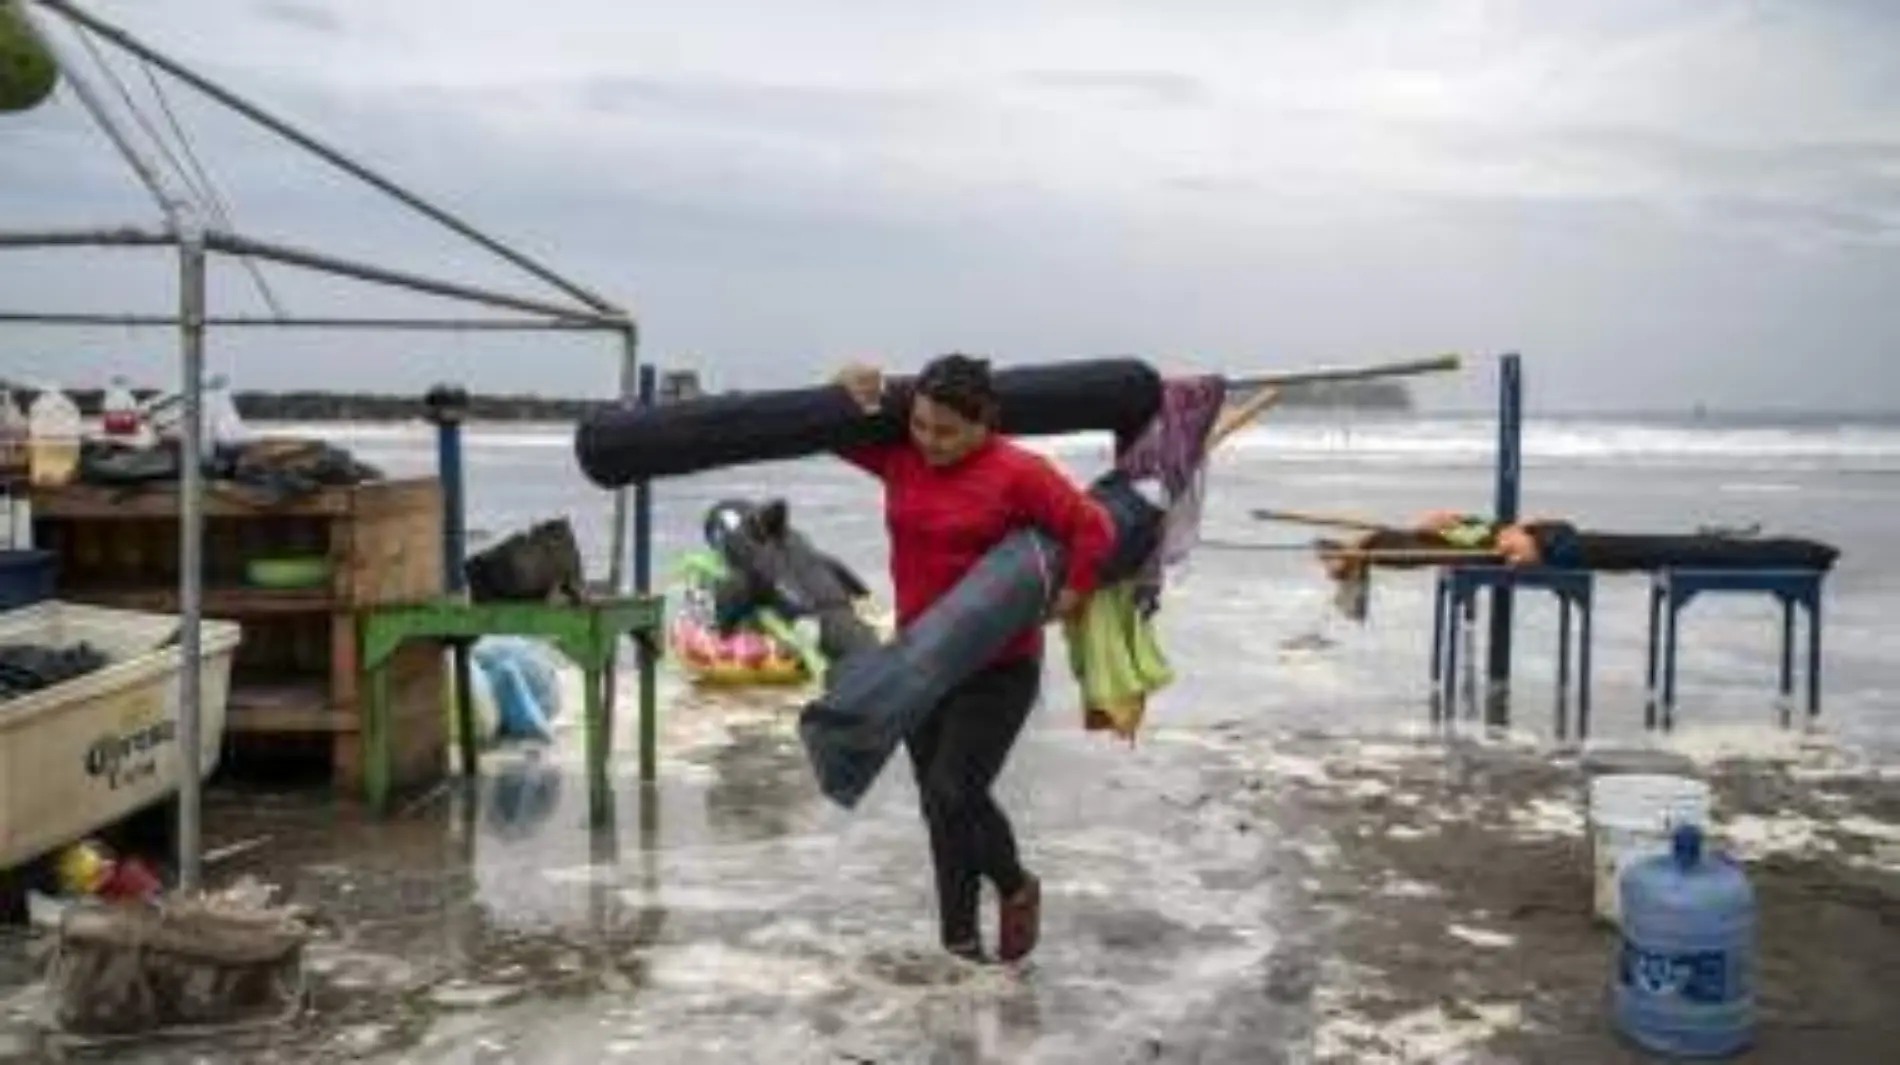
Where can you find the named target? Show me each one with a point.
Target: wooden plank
(234, 604)
(225, 499)
(394, 553)
(288, 707)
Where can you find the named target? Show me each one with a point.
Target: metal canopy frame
(183, 229)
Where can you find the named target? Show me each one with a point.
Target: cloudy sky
(1660, 202)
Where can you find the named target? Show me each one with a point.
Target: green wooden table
(587, 633)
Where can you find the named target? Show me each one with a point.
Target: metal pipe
(643, 585)
(448, 409)
(1509, 478)
(121, 236)
(329, 154)
(191, 306)
(314, 260)
(168, 204)
(447, 325)
(620, 533)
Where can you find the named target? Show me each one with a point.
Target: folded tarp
(875, 698)
(618, 445)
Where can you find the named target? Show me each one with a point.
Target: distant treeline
(1338, 395)
(311, 406)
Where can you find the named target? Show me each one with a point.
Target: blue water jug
(1685, 982)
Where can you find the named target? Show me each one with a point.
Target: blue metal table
(1454, 602)
(1672, 589)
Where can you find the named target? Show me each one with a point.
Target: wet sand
(1454, 885)
(1219, 894)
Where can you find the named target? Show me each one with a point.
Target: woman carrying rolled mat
(953, 491)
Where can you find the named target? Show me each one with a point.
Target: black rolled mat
(618, 445)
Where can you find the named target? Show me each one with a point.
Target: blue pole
(1504, 508)
(447, 407)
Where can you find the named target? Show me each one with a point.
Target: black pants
(956, 756)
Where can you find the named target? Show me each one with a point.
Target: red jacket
(942, 520)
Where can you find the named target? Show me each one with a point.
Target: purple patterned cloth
(1167, 463)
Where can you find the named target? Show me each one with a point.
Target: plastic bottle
(1685, 981)
(223, 426)
(119, 412)
(54, 429)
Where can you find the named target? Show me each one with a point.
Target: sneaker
(1020, 922)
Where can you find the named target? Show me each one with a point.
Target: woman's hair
(961, 383)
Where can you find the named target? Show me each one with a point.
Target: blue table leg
(1787, 659)
(1655, 631)
(1814, 657)
(1583, 670)
(1439, 708)
(1670, 612)
(1563, 667)
(1448, 684)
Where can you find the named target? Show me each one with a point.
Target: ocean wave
(1421, 442)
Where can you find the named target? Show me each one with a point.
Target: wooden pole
(1234, 420)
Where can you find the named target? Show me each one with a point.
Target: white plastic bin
(85, 753)
(1633, 815)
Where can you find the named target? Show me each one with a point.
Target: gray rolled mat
(875, 698)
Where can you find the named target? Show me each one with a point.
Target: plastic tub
(1632, 816)
(85, 753)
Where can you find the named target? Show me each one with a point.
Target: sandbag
(28, 73)
(618, 444)
(875, 698)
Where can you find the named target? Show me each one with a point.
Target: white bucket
(1632, 816)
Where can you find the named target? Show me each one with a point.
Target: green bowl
(309, 571)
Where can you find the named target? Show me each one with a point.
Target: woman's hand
(1069, 605)
(865, 383)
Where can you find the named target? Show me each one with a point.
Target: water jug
(54, 429)
(1685, 982)
(119, 410)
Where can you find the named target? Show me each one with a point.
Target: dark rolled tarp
(618, 445)
(1562, 544)
(875, 698)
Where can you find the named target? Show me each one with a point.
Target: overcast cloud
(1660, 203)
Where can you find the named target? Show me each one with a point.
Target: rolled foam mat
(618, 445)
(875, 698)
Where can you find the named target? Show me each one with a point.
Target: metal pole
(147, 174)
(323, 151)
(313, 260)
(448, 409)
(1509, 477)
(618, 538)
(120, 236)
(446, 325)
(643, 584)
(629, 393)
(191, 305)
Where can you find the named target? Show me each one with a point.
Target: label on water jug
(1702, 978)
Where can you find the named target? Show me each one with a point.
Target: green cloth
(705, 568)
(1116, 657)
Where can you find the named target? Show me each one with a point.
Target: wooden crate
(297, 672)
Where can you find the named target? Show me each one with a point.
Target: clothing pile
(1114, 651)
(26, 668)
